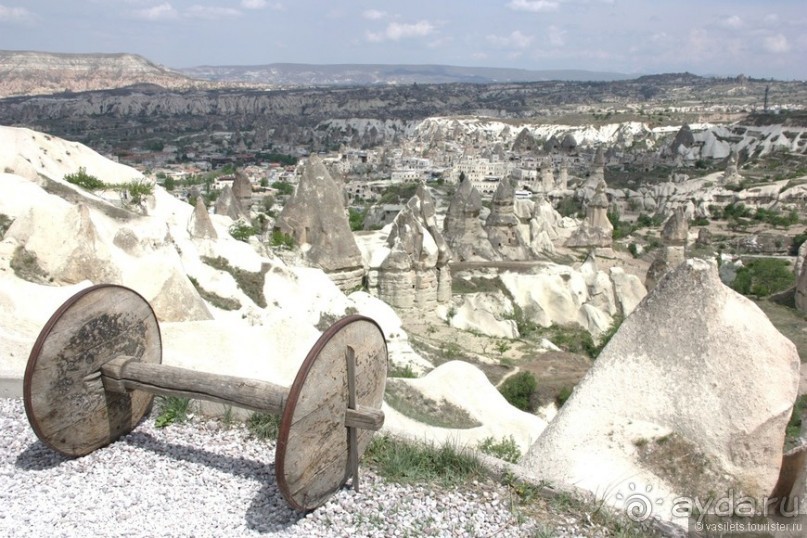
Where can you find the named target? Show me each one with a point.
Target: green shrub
(242, 231)
(518, 390)
(775, 218)
(526, 326)
(570, 207)
(137, 190)
(283, 188)
(506, 449)
(634, 250)
(606, 337)
(85, 180)
(794, 244)
(282, 240)
(763, 276)
(794, 425)
(563, 394)
(356, 218)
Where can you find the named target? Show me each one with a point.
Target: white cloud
(14, 14)
(535, 6)
(515, 40)
(157, 13)
(262, 4)
(771, 18)
(396, 31)
(734, 22)
(557, 36)
(776, 44)
(374, 14)
(211, 12)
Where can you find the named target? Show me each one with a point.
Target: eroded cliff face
(36, 73)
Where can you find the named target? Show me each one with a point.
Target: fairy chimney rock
(228, 204)
(462, 228)
(502, 223)
(242, 189)
(596, 229)
(415, 273)
(315, 217)
(200, 226)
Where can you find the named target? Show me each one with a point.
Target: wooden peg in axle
(97, 362)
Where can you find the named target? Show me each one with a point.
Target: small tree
(518, 390)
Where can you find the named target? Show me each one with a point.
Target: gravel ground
(204, 478)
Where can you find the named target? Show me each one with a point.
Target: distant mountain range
(289, 74)
(38, 73)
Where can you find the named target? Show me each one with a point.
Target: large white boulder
(465, 386)
(696, 363)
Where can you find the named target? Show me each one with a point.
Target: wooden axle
(123, 374)
(97, 362)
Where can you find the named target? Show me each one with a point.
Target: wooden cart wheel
(63, 391)
(312, 459)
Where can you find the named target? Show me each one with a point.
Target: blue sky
(761, 38)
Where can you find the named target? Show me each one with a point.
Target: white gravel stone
(204, 479)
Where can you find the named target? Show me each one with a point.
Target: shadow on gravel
(39, 457)
(268, 511)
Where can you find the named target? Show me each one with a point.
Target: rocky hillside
(293, 116)
(352, 74)
(36, 73)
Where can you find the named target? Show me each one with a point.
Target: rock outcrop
(596, 229)
(228, 204)
(732, 174)
(462, 228)
(712, 388)
(242, 190)
(502, 224)
(315, 217)
(673, 252)
(200, 226)
(588, 298)
(414, 273)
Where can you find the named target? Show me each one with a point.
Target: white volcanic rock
(484, 312)
(32, 155)
(315, 217)
(587, 297)
(200, 226)
(465, 386)
(696, 364)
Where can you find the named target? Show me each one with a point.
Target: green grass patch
(171, 410)
(264, 426)
(407, 463)
(402, 371)
(408, 401)
(216, 300)
(250, 283)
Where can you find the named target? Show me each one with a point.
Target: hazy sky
(761, 38)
